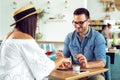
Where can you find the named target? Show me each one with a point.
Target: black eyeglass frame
(80, 22)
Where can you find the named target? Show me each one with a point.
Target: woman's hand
(66, 63)
(63, 63)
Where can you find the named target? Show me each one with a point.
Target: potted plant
(39, 34)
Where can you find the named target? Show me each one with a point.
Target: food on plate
(65, 65)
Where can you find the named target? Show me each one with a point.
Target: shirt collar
(88, 35)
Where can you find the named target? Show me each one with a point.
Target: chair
(115, 68)
(0, 42)
(108, 65)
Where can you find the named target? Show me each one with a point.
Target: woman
(106, 31)
(21, 58)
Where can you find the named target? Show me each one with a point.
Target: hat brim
(36, 12)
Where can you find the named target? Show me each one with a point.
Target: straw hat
(24, 12)
(117, 4)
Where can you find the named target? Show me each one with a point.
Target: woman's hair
(109, 25)
(104, 26)
(79, 11)
(28, 25)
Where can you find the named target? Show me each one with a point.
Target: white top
(23, 59)
(106, 33)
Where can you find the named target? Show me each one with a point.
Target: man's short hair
(79, 11)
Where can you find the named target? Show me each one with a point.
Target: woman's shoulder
(20, 35)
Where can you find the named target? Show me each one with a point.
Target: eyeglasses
(79, 23)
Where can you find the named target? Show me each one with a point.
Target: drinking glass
(49, 49)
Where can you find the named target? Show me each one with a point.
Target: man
(84, 46)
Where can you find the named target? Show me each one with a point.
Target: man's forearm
(95, 64)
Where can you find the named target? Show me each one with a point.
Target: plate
(82, 72)
(64, 69)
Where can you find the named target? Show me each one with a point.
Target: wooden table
(70, 75)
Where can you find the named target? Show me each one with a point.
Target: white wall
(6, 11)
(57, 30)
(51, 30)
(96, 9)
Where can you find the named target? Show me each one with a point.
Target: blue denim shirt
(92, 46)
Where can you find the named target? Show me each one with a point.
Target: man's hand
(59, 54)
(82, 60)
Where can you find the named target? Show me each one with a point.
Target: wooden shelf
(43, 41)
(97, 24)
(56, 20)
